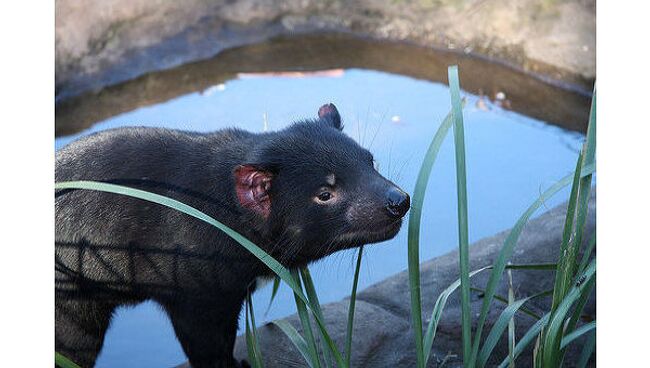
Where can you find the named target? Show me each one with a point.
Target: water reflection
(567, 107)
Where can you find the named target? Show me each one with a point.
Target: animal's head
(317, 191)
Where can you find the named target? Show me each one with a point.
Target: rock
(382, 334)
(112, 41)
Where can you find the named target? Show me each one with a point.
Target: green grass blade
(252, 346)
(511, 343)
(508, 247)
(584, 193)
(330, 344)
(353, 299)
(414, 233)
(587, 350)
(532, 266)
(569, 338)
(537, 360)
(306, 325)
(441, 302)
(587, 254)
(313, 299)
(588, 154)
(579, 306)
(63, 362)
(507, 301)
(528, 337)
(552, 353)
(463, 231)
(495, 334)
(274, 292)
(436, 314)
(564, 273)
(296, 339)
(500, 326)
(511, 323)
(273, 264)
(256, 345)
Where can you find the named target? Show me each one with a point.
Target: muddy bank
(109, 42)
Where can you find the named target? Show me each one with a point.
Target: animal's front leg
(206, 332)
(80, 328)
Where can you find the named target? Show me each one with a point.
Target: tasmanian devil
(300, 194)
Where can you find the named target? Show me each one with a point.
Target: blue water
(510, 159)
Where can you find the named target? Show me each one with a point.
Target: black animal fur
(300, 193)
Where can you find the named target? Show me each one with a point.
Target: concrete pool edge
(103, 44)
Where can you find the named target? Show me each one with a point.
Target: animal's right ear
(252, 185)
(330, 115)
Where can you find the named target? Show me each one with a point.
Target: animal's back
(132, 150)
(112, 238)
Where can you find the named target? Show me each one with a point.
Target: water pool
(510, 159)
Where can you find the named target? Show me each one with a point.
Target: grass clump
(569, 296)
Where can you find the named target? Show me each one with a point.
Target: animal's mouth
(352, 239)
(367, 236)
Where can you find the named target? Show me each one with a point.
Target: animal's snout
(397, 202)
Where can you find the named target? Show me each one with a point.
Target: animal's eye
(325, 196)
(372, 162)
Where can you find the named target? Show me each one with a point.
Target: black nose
(397, 202)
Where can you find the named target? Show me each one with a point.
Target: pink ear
(252, 186)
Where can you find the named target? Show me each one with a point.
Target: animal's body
(300, 194)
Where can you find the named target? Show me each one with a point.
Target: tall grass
(477, 352)
(552, 332)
